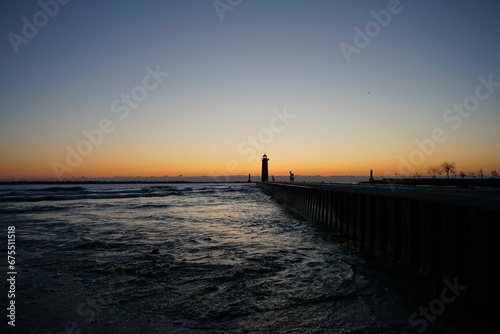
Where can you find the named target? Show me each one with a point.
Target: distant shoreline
(439, 182)
(110, 182)
(183, 179)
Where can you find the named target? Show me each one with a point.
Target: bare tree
(433, 170)
(494, 173)
(480, 173)
(462, 174)
(448, 167)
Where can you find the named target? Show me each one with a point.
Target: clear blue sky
(226, 77)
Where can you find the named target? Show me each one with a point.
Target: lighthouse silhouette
(264, 176)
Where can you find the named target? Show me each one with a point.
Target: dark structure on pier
(438, 233)
(264, 176)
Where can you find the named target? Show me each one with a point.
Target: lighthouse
(265, 173)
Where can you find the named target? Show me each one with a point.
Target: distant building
(264, 176)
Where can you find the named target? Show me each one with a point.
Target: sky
(192, 87)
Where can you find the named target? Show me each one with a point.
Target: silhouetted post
(393, 230)
(264, 175)
(360, 219)
(249, 179)
(370, 222)
(371, 175)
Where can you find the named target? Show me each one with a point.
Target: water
(187, 258)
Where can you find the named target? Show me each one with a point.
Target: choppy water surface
(205, 258)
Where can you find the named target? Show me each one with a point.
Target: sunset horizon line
(229, 177)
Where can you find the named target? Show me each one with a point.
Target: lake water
(187, 258)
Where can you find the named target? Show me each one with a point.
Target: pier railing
(438, 233)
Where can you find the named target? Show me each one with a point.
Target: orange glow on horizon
(151, 168)
(126, 161)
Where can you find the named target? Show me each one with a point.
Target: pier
(435, 232)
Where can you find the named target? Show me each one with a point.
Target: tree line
(449, 168)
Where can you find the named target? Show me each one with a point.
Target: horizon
(101, 90)
(299, 178)
(184, 177)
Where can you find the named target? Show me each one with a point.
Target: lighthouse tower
(265, 173)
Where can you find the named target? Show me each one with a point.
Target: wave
(34, 209)
(92, 244)
(85, 243)
(147, 206)
(83, 195)
(32, 199)
(55, 194)
(60, 189)
(164, 187)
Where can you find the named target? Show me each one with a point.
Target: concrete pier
(438, 233)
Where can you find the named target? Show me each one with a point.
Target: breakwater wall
(439, 234)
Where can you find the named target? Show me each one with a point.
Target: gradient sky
(228, 79)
